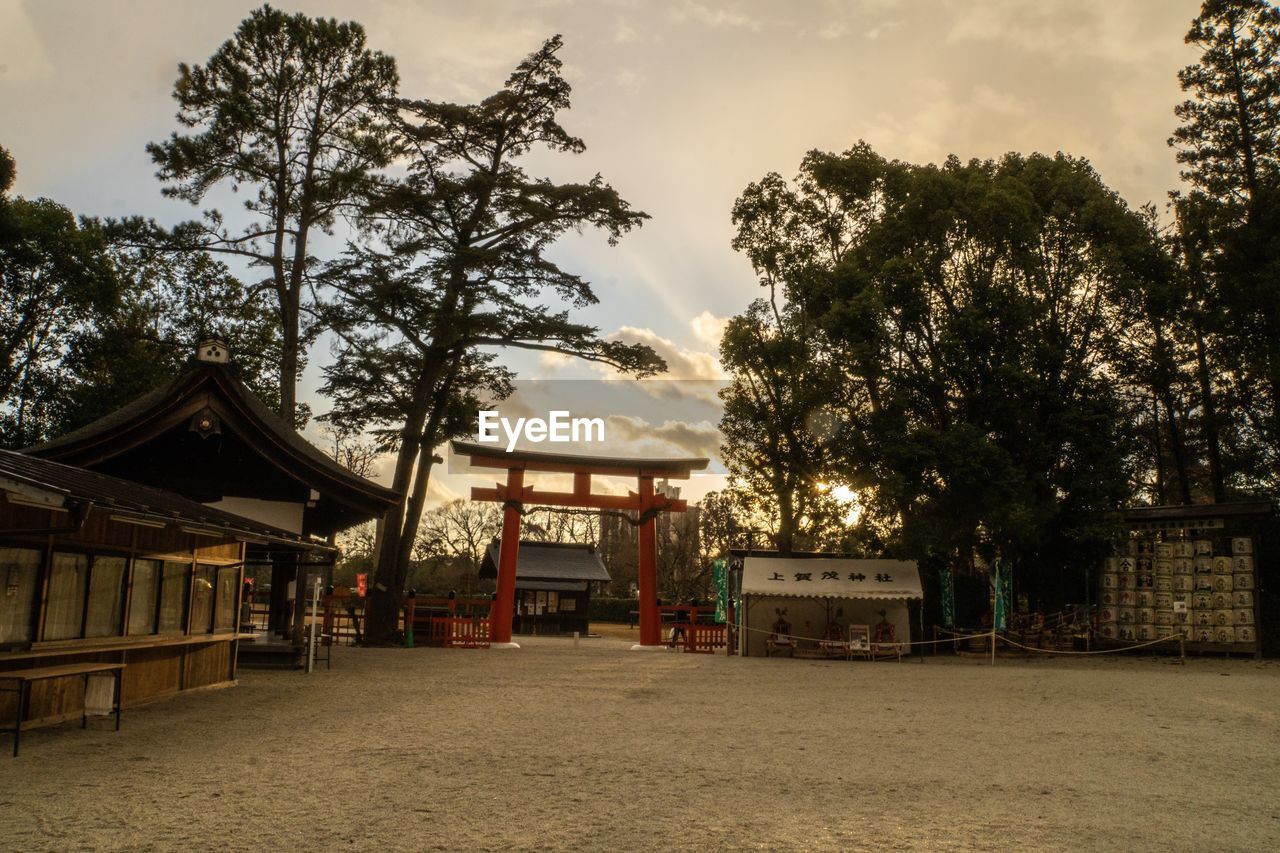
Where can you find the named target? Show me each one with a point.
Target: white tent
(813, 589)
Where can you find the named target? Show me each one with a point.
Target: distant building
(553, 585)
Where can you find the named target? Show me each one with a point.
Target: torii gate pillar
(504, 600)
(647, 573)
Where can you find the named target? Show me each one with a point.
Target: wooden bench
(24, 677)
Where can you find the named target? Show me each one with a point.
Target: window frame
(46, 581)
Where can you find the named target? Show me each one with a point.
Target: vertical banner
(1000, 590)
(362, 584)
(721, 578)
(947, 587)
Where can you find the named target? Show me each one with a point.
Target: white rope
(955, 638)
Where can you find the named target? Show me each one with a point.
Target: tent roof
(808, 577)
(549, 561)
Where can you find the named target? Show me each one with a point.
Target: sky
(681, 104)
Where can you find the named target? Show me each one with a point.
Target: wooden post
(505, 598)
(647, 580)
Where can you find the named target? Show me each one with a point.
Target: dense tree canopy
(460, 272)
(56, 280)
(975, 313)
(292, 110)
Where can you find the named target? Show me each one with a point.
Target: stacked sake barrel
(1155, 589)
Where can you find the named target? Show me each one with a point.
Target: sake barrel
(1146, 615)
(1183, 549)
(1242, 563)
(1183, 583)
(1128, 598)
(1144, 564)
(1242, 545)
(1164, 567)
(1224, 617)
(1204, 547)
(1223, 565)
(1146, 581)
(1242, 581)
(1144, 598)
(1144, 632)
(1107, 631)
(1131, 548)
(1224, 634)
(1110, 597)
(1245, 634)
(1164, 551)
(1164, 583)
(1205, 582)
(1202, 618)
(1182, 565)
(1128, 580)
(1222, 601)
(1164, 600)
(1107, 613)
(1144, 547)
(1111, 581)
(1203, 565)
(1244, 616)
(1164, 616)
(1111, 565)
(1202, 601)
(1125, 615)
(1203, 635)
(1242, 598)
(1128, 564)
(1223, 583)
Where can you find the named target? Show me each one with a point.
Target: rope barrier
(894, 643)
(954, 638)
(1165, 639)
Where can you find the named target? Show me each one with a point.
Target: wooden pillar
(505, 598)
(647, 580)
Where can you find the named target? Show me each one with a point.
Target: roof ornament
(205, 423)
(213, 350)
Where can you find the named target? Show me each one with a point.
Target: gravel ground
(599, 747)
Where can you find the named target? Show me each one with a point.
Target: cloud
(696, 439)
(22, 54)
(718, 17)
(709, 329)
(681, 363)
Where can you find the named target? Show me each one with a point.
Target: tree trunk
(1209, 418)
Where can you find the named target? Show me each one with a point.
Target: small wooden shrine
(553, 585)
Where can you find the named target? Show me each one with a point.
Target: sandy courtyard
(601, 748)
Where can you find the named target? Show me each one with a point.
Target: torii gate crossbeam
(515, 495)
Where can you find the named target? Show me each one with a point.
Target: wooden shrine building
(100, 571)
(553, 585)
(207, 437)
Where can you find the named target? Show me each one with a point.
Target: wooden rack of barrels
(1195, 579)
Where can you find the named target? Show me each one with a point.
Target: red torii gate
(515, 495)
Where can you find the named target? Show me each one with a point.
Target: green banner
(948, 589)
(1001, 587)
(721, 578)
